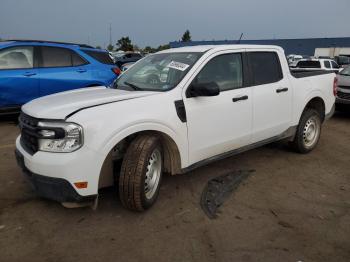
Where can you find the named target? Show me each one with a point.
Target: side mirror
(204, 89)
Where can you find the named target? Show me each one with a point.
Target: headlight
(60, 137)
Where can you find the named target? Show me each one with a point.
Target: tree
(163, 47)
(136, 48)
(125, 44)
(149, 50)
(110, 47)
(186, 37)
(98, 47)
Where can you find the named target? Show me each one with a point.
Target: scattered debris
(273, 213)
(285, 224)
(219, 189)
(2, 227)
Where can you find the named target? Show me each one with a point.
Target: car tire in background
(141, 173)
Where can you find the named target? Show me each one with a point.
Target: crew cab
(210, 102)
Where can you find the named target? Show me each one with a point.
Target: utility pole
(110, 33)
(240, 38)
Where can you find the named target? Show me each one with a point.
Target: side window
(327, 64)
(20, 57)
(55, 57)
(334, 64)
(77, 60)
(225, 70)
(102, 57)
(265, 67)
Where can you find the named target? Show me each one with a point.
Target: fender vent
(181, 110)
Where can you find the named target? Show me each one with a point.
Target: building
(303, 46)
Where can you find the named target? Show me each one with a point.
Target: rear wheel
(141, 173)
(308, 131)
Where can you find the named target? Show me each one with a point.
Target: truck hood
(60, 105)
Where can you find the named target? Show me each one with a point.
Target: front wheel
(308, 132)
(141, 173)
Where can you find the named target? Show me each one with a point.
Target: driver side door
(222, 123)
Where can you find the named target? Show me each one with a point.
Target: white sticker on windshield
(178, 66)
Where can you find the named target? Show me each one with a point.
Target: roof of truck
(205, 48)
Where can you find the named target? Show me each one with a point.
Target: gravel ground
(293, 208)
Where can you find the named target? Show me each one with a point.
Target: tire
(308, 132)
(141, 173)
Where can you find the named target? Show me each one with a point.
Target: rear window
(102, 57)
(309, 64)
(266, 67)
(327, 64)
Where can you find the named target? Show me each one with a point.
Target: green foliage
(186, 37)
(163, 47)
(110, 47)
(125, 44)
(98, 47)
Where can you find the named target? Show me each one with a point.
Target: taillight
(335, 86)
(116, 71)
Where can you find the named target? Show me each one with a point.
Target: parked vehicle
(127, 58)
(343, 61)
(30, 69)
(126, 66)
(343, 90)
(214, 102)
(316, 65)
(294, 59)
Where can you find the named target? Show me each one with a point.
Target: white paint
(214, 125)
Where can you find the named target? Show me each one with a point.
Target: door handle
(29, 74)
(236, 99)
(280, 90)
(81, 70)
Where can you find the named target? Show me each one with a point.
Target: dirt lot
(294, 208)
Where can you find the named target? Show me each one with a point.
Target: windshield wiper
(133, 86)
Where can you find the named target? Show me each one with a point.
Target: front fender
(118, 136)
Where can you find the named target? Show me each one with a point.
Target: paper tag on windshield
(178, 66)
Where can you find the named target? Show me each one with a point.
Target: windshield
(345, 71)
(158, 72)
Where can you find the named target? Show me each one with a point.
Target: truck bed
(307, 73)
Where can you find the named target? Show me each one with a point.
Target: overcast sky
(155, 22)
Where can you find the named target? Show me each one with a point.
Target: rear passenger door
(61, 69)
(272, 96)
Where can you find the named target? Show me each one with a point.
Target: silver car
(343, 91)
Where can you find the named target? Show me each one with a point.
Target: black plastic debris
(219, 189)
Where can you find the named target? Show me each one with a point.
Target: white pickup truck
(171, 112)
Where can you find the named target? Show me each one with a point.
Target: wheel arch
(174, 153)
(318, 104)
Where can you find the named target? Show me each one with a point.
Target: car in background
(316, 65)
(30, 69)
(126, 66)
(293, 59)
(128, 57)
(343, 89)
(343, 61)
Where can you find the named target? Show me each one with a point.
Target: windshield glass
(345, 71)
(158, 72)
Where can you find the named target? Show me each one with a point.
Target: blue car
(30, 69)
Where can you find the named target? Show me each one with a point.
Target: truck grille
(29, 134)
(343, 95)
